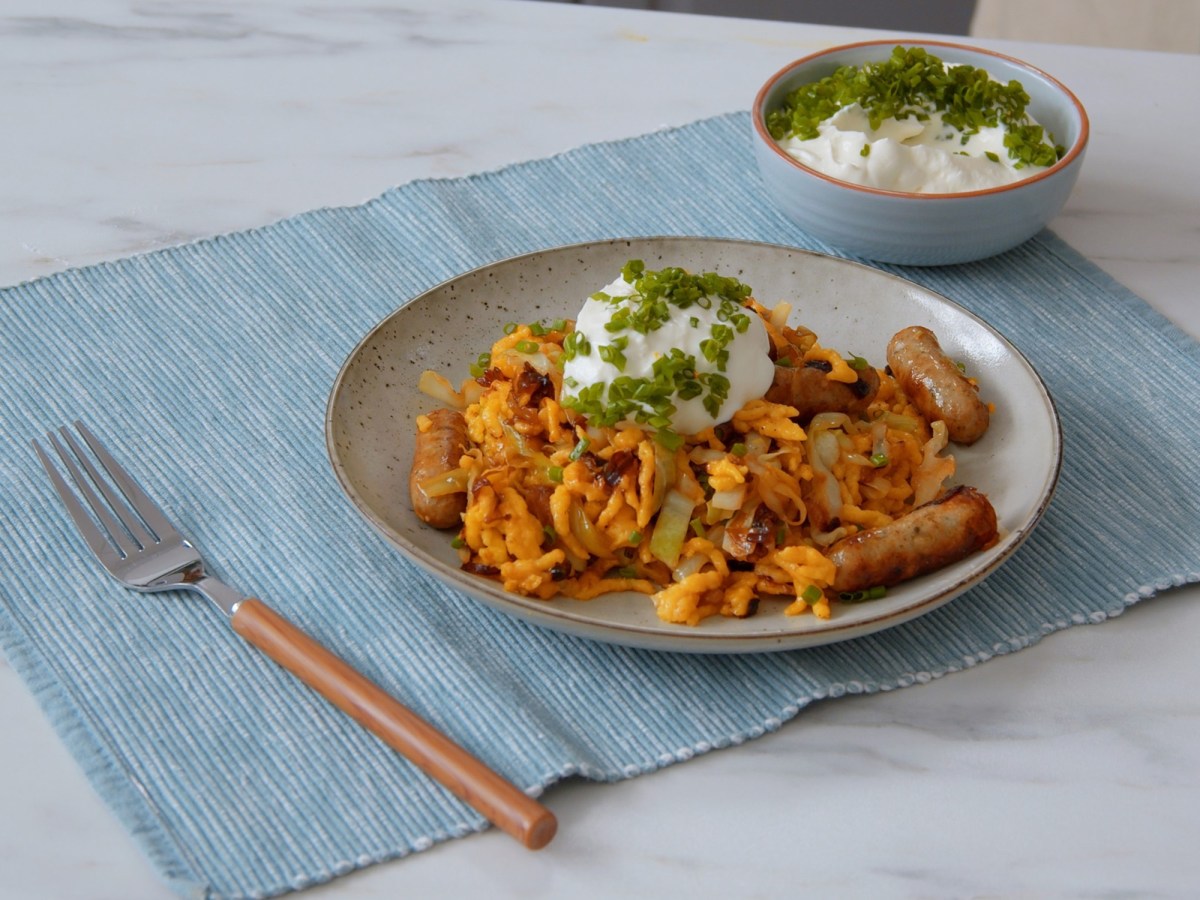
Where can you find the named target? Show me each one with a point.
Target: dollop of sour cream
(926, 156)
(612, 368)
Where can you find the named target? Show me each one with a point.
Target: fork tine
(149, 511)
(104, 549)
(112, 512)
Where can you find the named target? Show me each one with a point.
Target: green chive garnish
(676, 375)
(874, 593)
(482, 361)
(911, 81)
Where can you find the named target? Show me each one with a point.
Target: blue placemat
(210, 365)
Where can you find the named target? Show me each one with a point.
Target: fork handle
(465, 776)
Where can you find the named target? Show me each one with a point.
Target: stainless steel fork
(140, 547)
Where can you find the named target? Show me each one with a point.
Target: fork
(138, 545)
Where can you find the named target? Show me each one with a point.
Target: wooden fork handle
(505, 805)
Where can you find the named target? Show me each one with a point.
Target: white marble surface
(1071, 769)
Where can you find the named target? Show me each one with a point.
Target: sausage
(437, 452)
(807, 388)
(941, 532)
(936, 385)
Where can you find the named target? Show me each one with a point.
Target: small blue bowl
(911, 228)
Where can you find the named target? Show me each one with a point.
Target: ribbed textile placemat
(207, 367)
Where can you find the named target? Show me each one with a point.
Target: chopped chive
(576, 344)
(668, 439)
(579, 449)
(482, 361)
(874, 593)
(528, 347)
(879, 460)
(739, 449)
(611, 354)
(812, 594)
(510, 327)
(555, 474)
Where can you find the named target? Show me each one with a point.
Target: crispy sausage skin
(810, 391)
(942, 531)
(437, 452)
(936, 385)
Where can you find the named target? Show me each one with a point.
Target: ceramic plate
(370, 420)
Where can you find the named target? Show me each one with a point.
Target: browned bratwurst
(942, 531)
(437, 452)
(808, 388)
(936, 385)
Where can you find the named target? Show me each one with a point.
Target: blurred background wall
(942, 16)
(1168, 25)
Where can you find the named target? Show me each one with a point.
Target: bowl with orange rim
(918, 153)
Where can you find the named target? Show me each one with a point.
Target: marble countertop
(1068, 769)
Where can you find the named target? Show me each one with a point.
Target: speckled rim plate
(370, 417)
